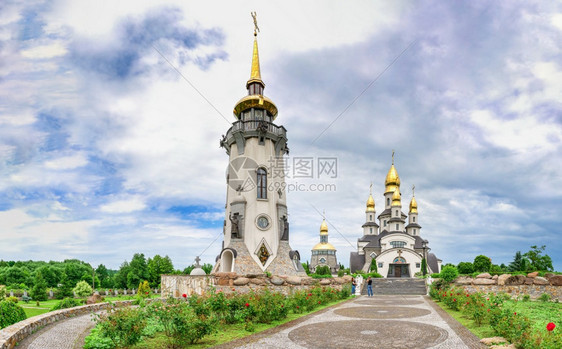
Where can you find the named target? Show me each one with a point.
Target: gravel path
(66, 334)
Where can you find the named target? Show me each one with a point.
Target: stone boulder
(463, 280)
(482, 281)
(294, 280)
(277, 281)
(495, 277)
(347, 278)
(493, 340)
(96, 298)
(230, 275)
(339, 280)
(540, 281)
(308, 280)
(325, 282)
(241, 281)
(252, 276)
(502, 278)
(533, 274)
(548, 275)
(256, 281)
(484, 276)
(515, 280)
(556, 280)
(529, 281)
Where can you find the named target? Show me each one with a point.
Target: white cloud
(45, 51)
(67, 162)
(124, 206)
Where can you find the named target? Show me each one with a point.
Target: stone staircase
(398, 286)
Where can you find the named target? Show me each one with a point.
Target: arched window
(371, 217)
(262, 183)
(397, 226)
(399, 260)
(414, 219)
(387, 201)
(396, 213)
(371, 230)
(398, 244)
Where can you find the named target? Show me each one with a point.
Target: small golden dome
(323, 246)
(413, 205)
(392, 180)
(370, 204)
(324, 228)
(396, 197)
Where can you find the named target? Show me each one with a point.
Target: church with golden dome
(396, 247)
(324, 253)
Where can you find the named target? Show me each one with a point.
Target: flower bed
(524, 323)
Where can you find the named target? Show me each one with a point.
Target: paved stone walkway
(377, 322)
(66, 334)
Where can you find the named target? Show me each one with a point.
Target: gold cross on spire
(393, 156)
(413, 190)
(256, 28)
(371, 188)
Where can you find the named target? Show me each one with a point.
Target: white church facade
(394, 243)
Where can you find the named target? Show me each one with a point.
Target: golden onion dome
(370, 204)
(324, 246)
(413, 205)
(396, 197)
(324, 228)
(392, 180)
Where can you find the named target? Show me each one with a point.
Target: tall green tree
(104, 275)
(207, 268)
(158, 266)
(39, 290)
(482, 263)
(516, 264)
(465, 268)
(120, 279)
(537, 259)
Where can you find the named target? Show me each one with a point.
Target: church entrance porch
(398, 271)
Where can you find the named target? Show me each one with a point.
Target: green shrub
(526, 298)
(435, 275)
(545, 297)
(10, 313)
(323, 270)
(465, 268)
(144, 290)
(514, 327)
(122, 326)
(341, 272)
(13, 299)
(95, 340)
(449, 273)
(2, 292)
(482, 263)
(83, 289)
(66, 303)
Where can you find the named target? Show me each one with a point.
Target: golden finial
(323, 214)
(256, 28)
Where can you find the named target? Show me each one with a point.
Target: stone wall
(15, 333)
(515, 285)
(177, 285)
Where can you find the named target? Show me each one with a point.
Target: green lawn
(226, 333)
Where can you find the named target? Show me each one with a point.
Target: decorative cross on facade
(197, 260)
(400, 256)
(256, 28)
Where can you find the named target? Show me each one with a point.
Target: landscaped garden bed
(525, 323)
(207, 320)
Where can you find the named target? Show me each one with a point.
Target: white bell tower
(256, 228)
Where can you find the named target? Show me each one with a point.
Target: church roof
(375, 240)
(388, 211)
(395, 219)
(323, 246)
(413, 225)
(370, 224)
(432, 262)
(356, 261)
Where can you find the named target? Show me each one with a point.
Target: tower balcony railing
(258, 126)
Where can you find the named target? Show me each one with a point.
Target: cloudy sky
(106, 150)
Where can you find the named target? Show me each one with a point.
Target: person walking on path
(353, 284)
(369, 287)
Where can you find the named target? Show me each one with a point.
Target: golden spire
(392, 179)
(324, 227)
(396, 197)
(255, 74)
(413, 203)
(370, 200)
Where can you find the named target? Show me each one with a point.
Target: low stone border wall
(178, 285)
(11, 335)
(515, 285)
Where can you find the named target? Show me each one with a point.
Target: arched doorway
(227, 261)
(399, 268)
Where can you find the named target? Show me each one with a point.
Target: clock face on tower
(262, 222)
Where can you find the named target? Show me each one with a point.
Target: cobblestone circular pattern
(382, 312)
(390, 302)
(367, 334)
